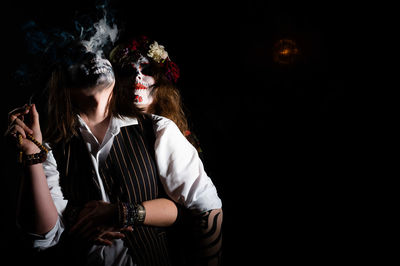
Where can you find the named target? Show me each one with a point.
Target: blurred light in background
(285, 52)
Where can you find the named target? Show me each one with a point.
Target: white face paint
(144, 84)
(88, 70)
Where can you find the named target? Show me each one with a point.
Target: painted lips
(139, 86)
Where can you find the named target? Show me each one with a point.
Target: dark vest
(129, 174)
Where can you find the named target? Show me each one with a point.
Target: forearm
(157, 212)
(208, 237)
(38, 213)
(160, 212)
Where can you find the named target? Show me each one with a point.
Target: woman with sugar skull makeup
(98, 194)
(144, 66)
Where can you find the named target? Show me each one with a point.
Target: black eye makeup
(146, 69)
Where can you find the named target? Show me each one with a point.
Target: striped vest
(129, 174)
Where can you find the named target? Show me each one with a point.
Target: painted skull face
(144, 82)
(88, 69)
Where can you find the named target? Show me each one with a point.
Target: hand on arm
(207, 235)
(99, 221)
(186, 181)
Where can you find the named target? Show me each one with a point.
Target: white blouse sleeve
(181, 170)
(53, 181)
(53, 236)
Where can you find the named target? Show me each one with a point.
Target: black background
(277, 139)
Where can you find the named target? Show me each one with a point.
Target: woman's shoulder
(162, 122)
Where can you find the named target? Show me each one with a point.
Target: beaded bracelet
(131, 214)
(35, 158)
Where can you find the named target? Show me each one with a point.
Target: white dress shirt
(180, 169)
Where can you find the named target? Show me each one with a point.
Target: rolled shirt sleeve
(181, 170)
(51, 238)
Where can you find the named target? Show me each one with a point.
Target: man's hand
(22, 121)
(97, 223)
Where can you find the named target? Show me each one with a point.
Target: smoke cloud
(46, 47)
(103, 34)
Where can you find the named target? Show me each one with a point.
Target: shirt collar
(115, 124)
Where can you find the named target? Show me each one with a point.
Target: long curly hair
(167, 100)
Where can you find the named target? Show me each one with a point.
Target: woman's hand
(22, 121)
(97, 223)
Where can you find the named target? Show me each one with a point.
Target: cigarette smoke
(103, 34)
(47, 47)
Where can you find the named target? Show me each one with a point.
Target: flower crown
(127, 53)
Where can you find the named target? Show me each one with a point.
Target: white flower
(157, 52)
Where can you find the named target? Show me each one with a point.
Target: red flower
(139, 43)
(134, 45)
(172, 70)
